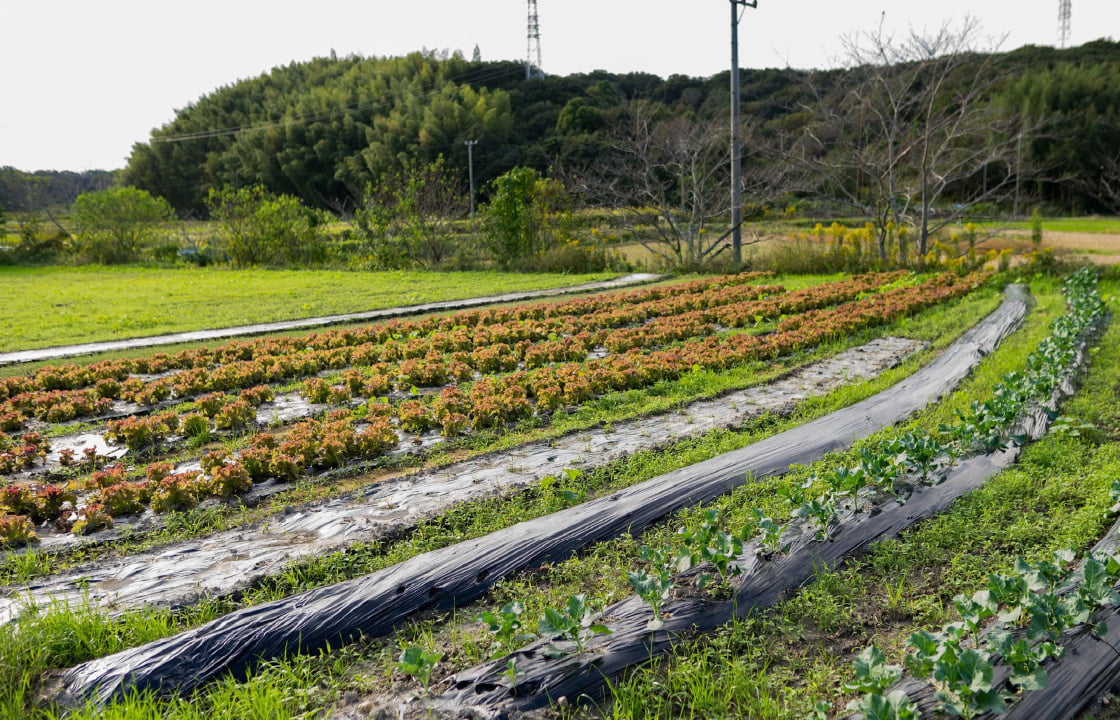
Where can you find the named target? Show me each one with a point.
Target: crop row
(698, 293)
(959, 661)
(491, 402)
(220, 412)
(480, 349)
(959, 674)
(47, 397)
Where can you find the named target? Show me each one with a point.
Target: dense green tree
(405, 219)
(323, 130)
(1077, 107)
(516, 222)
(116, 225)
(259, 228)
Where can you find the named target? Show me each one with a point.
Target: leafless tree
(911, 126)
(678, 168)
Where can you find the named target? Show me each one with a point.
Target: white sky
(81, 81)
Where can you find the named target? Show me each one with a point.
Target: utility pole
(470, 168)
(736, 141)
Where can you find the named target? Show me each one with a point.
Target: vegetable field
(786, 566)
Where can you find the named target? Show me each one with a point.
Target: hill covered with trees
(322, 130)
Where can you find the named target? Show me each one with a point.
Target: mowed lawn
(41, 307)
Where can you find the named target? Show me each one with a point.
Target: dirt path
(67, 351)
(1098, 248)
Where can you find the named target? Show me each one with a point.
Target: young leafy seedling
(709, 543)
(769, 533)
(653, 588)
(576, 623)
(873, 674)
(417, 662)
(1024, 658)
(917, 451)
(893, 706)
(506, 627)
(513, 672)
(820, 510)
(848, 481)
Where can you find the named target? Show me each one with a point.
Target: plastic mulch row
(375, 604)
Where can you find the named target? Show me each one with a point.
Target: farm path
(67, 351)
(182, 573)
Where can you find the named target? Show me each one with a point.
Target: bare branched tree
(676, 168)
(912, 139)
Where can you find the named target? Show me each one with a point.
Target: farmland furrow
(448, 577)
(317, 444)
(180, 574)
(485, 691)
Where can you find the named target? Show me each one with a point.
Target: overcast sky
(83, 81)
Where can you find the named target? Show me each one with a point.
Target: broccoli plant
(506, 628)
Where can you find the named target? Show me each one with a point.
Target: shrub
(516, 220)
(116, 225)
(260, 228)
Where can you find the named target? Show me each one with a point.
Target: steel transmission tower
(1063, 22)
(533, 68)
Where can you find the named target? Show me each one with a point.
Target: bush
(517, 222)
(258, 228)
(116, 225)
(571, 257)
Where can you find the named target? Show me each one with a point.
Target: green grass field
(61, 305)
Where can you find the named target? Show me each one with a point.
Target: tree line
(322, 130)
(917, 131)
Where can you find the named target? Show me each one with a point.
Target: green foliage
(1036, 230)
(405, 219)
(517, 221)
(655, 584)
(708, 542)
(575, 622)
(506, 628)
(327, 127)
(872, 672)
(259, 228)
(417, 662)
(117, 225)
